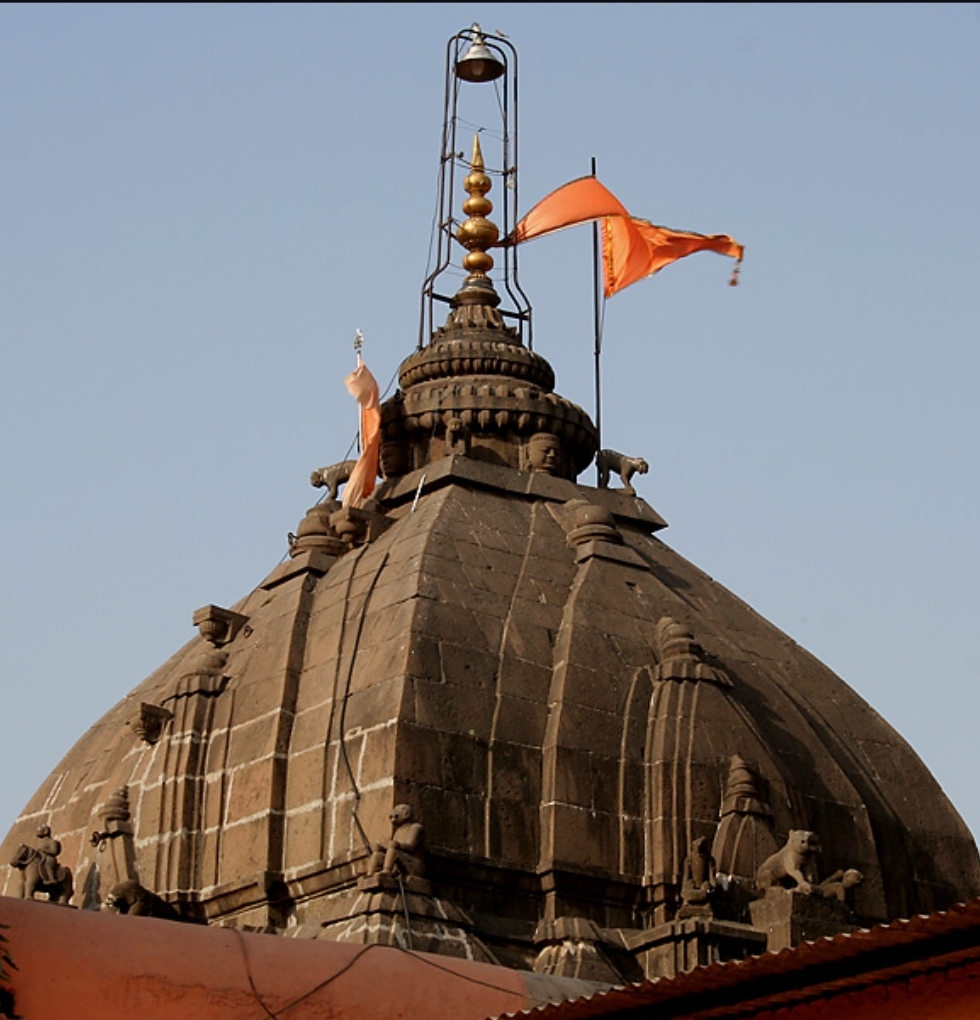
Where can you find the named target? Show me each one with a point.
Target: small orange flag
(631, 248)
(363, 387)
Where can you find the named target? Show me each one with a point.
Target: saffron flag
(578, 201)
(631, 248)
(363, 387)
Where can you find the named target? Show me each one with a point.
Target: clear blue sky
(199, 204)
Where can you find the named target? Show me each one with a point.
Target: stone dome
(490, 713)
(566, 704)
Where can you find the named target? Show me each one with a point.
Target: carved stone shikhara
(611, 462)
(744, 837)
(681, 657)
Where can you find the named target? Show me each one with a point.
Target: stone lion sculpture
(793, 866)
(609, 461)
(332, 477)
(129, 897)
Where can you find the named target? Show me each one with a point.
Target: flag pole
(597, 327)
(358, 344)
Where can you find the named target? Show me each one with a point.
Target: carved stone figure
(404, 853)
(699, 882)
(332, 477)
(793, 866)
(839, 885)
(609, 461)
(457, 437)
(544, 453)
(129, 897)
(42, 872)
(149, 721)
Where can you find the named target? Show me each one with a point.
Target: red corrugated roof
(928, 951)
(85, 965)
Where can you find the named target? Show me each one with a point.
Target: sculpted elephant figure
(30, 862)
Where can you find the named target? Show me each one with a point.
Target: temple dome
(490, 713)
(567, 704)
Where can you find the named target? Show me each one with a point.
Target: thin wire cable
(408, 923)
(448, 970)
(251, 980)
(316, 988)
(277, 1014)
(343, 705)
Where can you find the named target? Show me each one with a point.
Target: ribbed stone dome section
(564, 701)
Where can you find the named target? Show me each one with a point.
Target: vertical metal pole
(597, 326)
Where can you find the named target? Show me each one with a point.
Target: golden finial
(477, 233)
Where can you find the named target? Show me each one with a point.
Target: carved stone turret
(744, 838)
(116, 844)
(476, 379)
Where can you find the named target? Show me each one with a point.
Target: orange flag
(632, 248)
(576, 202)
(363, 387)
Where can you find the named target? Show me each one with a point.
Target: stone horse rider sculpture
(42, 872)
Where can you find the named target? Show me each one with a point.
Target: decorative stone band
(476, 356)
(492, 406)
(688, 669)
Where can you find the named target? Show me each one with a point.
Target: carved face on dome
(543, 453)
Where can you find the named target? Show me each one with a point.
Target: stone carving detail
(42, 871)
(457, 437)
(838, 886)
(744, 837)
(681, 657)
(316, 533)
(358, 525)
(574, 947)
(404, 852)
(118, 838)
(115, 817)
(149, 721)
(609, 462)
(129, 897)
(700, 881)
(332, 477)
(793, 866)
(217, 625)
(585, 522)
(542, 453)
(451, 354)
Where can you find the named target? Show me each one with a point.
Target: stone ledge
(314, 562)
(608, 551)
(468, 471)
